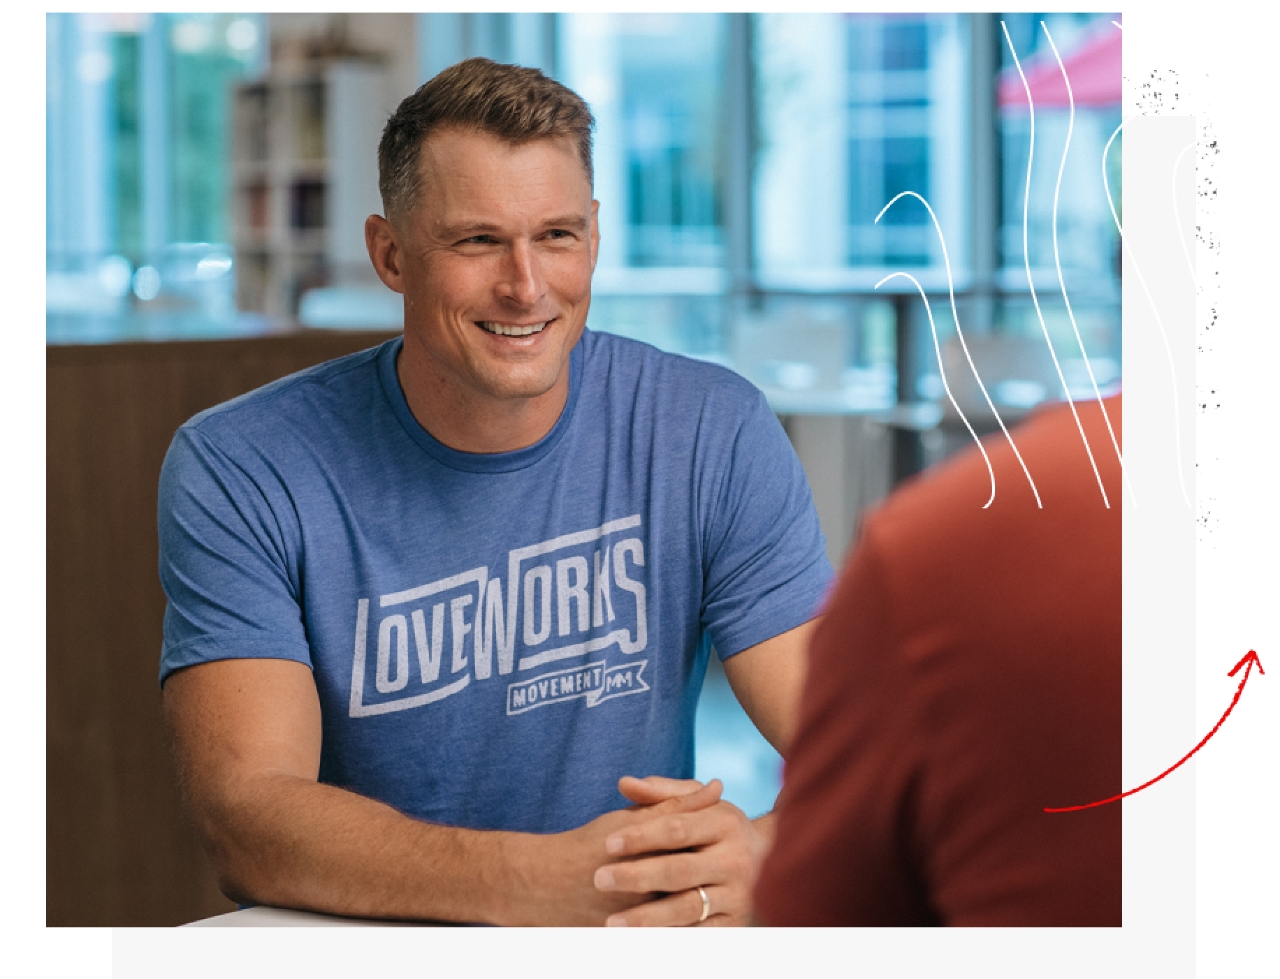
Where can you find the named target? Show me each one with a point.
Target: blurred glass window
(1088, 244)
(1089, 46)
(853, 110)
(136, 153)
(655, 83)
(209, 53)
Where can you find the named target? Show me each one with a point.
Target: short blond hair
(507, 101)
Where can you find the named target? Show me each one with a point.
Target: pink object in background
(1095, 70)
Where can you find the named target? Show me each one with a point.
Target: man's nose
(522, 281)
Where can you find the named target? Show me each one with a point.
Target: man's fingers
(677, 854)
(656, 788)
(683, 908)
(684, 824)
(667, 831)
(700, 798)
(724, 862)
(669, 872)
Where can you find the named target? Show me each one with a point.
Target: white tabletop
(265, 917)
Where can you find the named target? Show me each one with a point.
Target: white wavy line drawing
(1026, 257)
(1173, 374)
(1177, 214)
(963, 346)
(937, 350)
(1057, 262)
(1118, 24)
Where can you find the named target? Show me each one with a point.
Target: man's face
(496, 266)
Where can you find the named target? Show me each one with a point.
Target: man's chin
(524, 379)
(520, 386)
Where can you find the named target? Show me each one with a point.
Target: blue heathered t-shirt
(495, 639)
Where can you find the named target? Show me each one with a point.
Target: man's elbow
(230, 823)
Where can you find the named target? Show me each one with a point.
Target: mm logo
(594, 683)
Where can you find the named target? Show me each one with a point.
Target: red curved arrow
(1248, 662)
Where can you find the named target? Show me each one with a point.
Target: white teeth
(513, 331)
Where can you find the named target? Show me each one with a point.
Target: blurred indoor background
(208, 176)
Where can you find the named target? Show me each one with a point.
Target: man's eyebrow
(572, 222)
(456, 232)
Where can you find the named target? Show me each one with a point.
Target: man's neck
(469, 422)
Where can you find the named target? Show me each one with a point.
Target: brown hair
(513, 103)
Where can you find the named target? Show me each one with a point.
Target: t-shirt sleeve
(766, 569)
(844, 851)
(225, 562)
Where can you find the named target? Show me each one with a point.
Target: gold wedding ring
(706, 905)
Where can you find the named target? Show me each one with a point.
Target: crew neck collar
(479, 462)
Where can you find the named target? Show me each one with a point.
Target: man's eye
(556, 233)
(477, 240)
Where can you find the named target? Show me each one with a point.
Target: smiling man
(439, 612)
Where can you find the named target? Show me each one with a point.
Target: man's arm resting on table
(247, 735)
(717, 847)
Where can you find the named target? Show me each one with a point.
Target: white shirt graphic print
(586, 587)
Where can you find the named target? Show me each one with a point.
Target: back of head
(507, 101)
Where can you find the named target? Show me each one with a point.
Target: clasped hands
(687, 856)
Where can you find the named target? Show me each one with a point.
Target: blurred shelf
(305, 164)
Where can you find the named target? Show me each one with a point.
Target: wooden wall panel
(119, 850)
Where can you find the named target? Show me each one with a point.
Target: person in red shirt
(966, 675)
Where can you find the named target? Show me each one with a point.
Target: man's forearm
(283, 840)
(287, 841)
(246, 738)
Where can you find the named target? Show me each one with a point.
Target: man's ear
(383, 242)
(595, 233)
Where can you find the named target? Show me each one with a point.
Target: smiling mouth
(511, 330)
